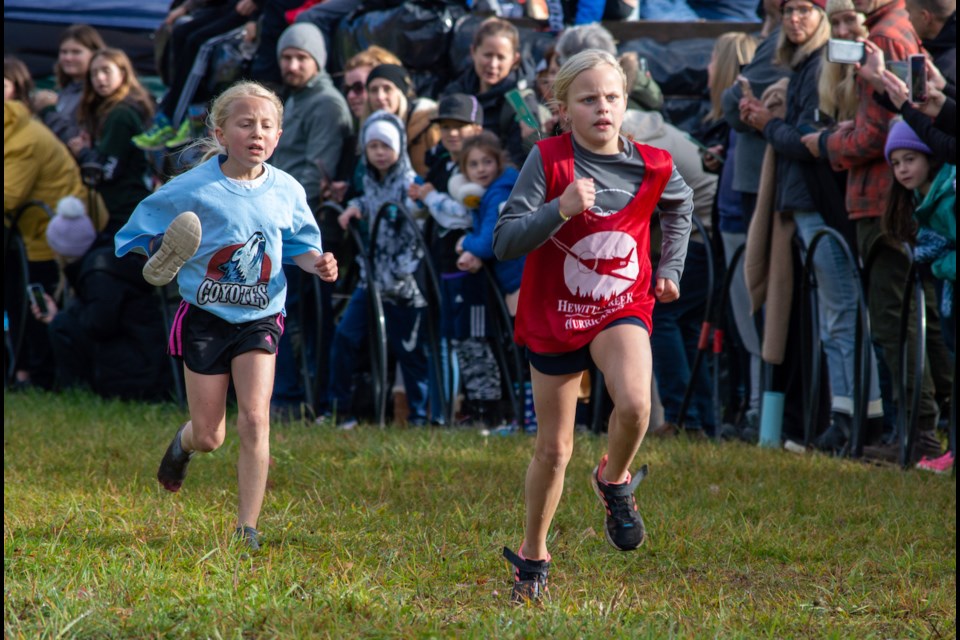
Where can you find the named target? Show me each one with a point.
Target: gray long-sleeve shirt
(528, 219)
(748, 156)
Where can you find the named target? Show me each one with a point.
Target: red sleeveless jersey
(594, 269)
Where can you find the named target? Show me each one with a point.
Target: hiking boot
(624, 526)
(835, 438)
(248, 536)
(173, 466)
(178, 244)
(154, 138)
(942, 465)
(927, 445)
(665, 430)
(750, 431)
(529, 577)
(697, 434)
(183, 135)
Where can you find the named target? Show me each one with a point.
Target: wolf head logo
(246, 262)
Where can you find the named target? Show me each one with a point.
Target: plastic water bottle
(771, 419)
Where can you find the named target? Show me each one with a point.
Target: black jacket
(118, 315)
(943, 49)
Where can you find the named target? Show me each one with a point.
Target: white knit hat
(383, 131)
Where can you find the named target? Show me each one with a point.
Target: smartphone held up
(846, 51)
(917, 78)
(35, 296)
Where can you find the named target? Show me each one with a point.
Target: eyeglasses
(356, 87)
(800, 12)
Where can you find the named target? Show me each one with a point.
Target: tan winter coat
(767, 258)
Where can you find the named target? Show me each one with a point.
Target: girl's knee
(207, 440)
(554, 454)
(253, 426)
(634, 412)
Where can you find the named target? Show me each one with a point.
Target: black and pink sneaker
(624, 526)
(173, 466)
(529, 577)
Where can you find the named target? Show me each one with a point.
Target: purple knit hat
(901, 136)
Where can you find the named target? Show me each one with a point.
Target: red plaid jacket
(860, 149)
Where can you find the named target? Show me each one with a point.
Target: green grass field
(397, 533)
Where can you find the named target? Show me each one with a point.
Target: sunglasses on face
(356, 87)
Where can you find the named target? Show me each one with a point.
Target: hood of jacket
(15, 117)
(644, 126)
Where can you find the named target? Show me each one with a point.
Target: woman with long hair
(803, 37)
(78, 43)
(115, 107)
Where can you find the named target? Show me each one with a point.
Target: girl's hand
(44, 98)
(755, 114)
(526, 131)
(79, 142)
(51, 309)
(812, 142)
(896, 89)
(873, 67)
(246, 7)
(349, 214)
(934, 102)
(712, 156)
(420, 191)
(580, 195)
(469, 262)
(746, 106)
(666, 290)
(934, 76)
(326, 267)
(338, 190)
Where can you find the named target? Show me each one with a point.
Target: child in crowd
(485, 174)
(463, 307)
(254, 217)
(105, 335)
(484, 163)
(921, 210)
(581, 213)
(386, 179)
(60, 112)
(17, 81)
(495, 52)
(114, 108)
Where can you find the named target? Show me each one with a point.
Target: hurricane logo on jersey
(600, 266)
(238, 274)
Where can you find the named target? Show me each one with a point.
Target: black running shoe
(249, 537)
(173, 467)
(624, 525)
(529, 578)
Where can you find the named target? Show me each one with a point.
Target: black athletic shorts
(207, 343)
(562, 364)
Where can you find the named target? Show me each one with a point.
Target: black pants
(185, 43)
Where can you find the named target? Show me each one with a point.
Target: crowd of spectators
(790, 143)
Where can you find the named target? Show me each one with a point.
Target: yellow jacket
(36, 166)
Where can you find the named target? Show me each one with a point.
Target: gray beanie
(305, 36)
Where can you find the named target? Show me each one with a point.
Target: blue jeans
(837, 317)
(406, 339)
(676, 330)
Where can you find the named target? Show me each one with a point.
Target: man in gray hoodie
(316, 122)
(316, 118)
